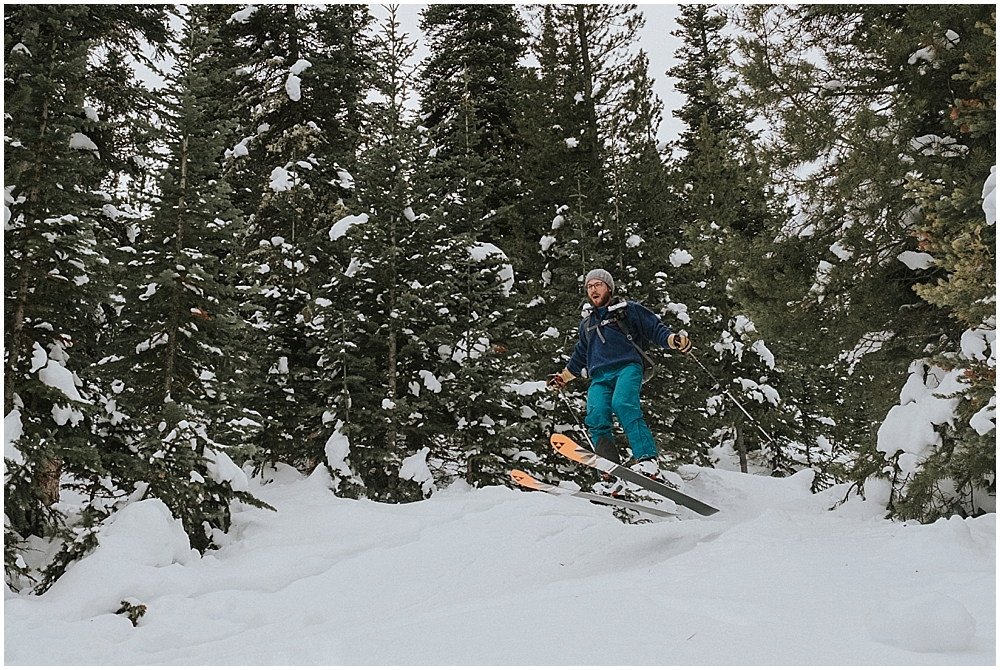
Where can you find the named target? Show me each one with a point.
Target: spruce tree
(377, 371)
(849, 124)
(954, 232)
(299, 78)
(723, 208)
(464, 188)
(58, 177)
(180, 332)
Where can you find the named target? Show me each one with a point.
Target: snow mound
(135, 545)
(776, 578)
(926, 622)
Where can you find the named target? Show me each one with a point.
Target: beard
(601, 302)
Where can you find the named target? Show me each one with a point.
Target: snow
(300, 66)
(935, 145)
(430, 381)
(909, 428)
(293, 87)
(415, 469)
(823, 270)
(54, 374)
(497, 576)
(346, 180)
(525, 388)
(546, 242)
(463, 350)
(841, 252)
(483, 250)
(916, 260)
(63, 415)
(240, 149)
(12, 431)
(633, 241)
(759, 392)
(679, 257)
(243, 15)
(990, 197)
(985, 419)
(680, 310)
(281, 180)
(922, 622)
(221, 468)
(759, 348)
(340, 228)
(337, 449)
(82, 142)
(976, 341)
(279, 368)
(926, 54)
(38, 357)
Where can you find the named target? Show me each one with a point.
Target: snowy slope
(498, 576)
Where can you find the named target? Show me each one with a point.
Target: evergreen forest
(306, 246)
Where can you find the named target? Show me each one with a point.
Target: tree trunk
(741, 447)
(588, 89)
(390, 435)
(47, 478)
(17, 340)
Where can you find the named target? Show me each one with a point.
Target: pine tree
(59, 160)
(849, 124)
(463, 186)
(300, 73)
(375, 318)
(954, 232)
(180, 332)
(723, 209)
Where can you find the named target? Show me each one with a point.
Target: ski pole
(579, 426)
(756, 424)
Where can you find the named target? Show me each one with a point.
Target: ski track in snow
(505, 577)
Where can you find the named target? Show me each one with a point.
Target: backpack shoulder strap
(647, 361)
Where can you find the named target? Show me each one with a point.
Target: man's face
(598, 292)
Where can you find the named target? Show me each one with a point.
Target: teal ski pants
(615, 390)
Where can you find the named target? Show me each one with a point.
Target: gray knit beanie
(602, 275)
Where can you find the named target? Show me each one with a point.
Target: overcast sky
(655, 39)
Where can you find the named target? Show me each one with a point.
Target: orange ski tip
(524, 479)
(568, 448)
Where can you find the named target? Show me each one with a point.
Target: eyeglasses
(595, 284)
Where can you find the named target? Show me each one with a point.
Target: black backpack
(617, 313)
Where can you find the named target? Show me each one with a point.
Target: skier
(610, 351)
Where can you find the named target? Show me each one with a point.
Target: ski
(529, 482)
(575, 452)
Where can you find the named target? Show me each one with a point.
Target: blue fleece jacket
(607, 343)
